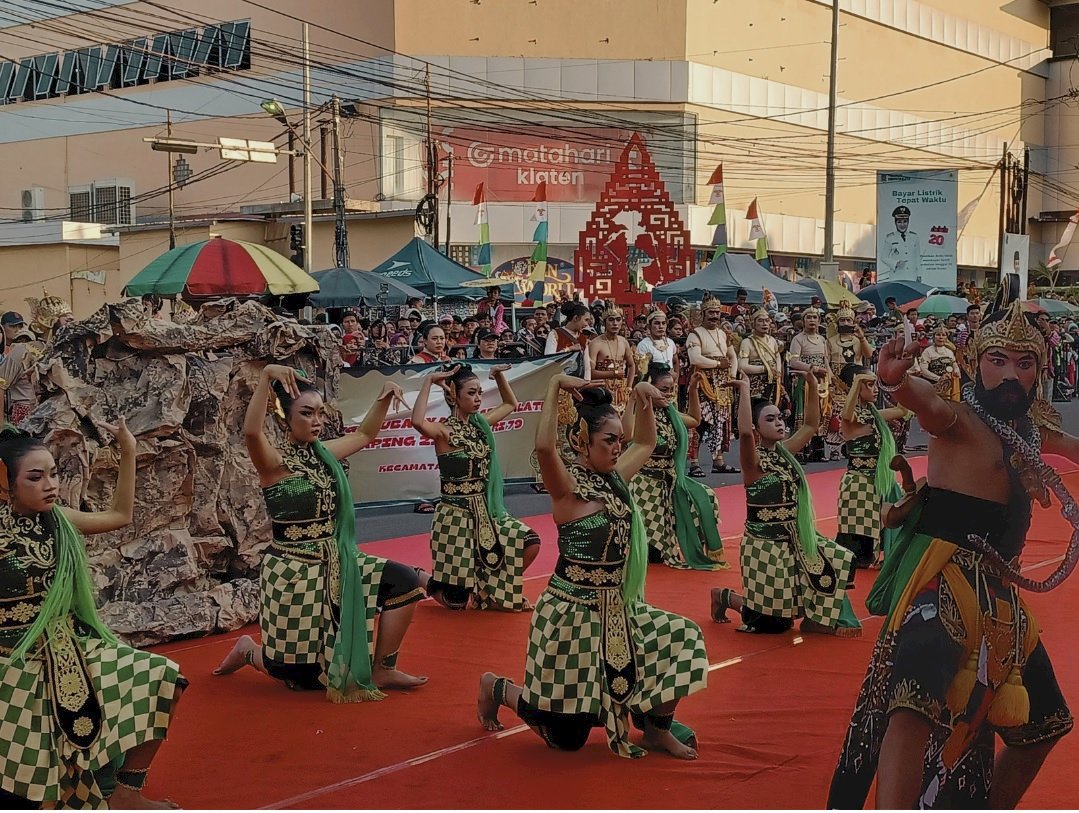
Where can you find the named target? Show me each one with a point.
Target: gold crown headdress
(710, 302)
(1013, 332)
(612, 309)
(845, 310)
(813, 312)
(45, 311)
(656, 314)
(759, 312)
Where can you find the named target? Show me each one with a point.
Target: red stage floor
(770, 722)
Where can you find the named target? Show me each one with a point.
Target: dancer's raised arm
(119, 514)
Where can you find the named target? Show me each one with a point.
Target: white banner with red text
(400, 464)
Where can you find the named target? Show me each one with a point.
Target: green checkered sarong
(775, 582)
(654, 497)
(859, 505)
(295, 613)
(453, 549)
(564, 671)
(135, 690)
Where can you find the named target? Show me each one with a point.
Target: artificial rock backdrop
(188, 564)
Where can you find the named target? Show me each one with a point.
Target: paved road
(378, 523)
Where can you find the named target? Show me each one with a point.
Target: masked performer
(320, 595)
(759, 359)
(478, 549)
(667, 498)
(848, 346)
(788, 569)
(959, 659)
(869, 477)
(809, 353)
(597, 654)
(611, 358)
(83, 714)
(710, 355)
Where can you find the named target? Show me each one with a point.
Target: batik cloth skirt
(463, 536)
(859, 504)
(653, 492)
(299, 607)
(780, 581)
(573, 646)
(135, 692)
(943, 625)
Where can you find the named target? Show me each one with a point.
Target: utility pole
(308, 216)
(172, 204)
(340, 230)
(1002, 225)
(449, 199)
(829, 268)
(432, 160)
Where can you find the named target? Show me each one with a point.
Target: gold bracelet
(893, 387)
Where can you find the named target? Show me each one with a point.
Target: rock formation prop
(188, 563)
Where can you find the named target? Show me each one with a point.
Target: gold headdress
(655, 315)
(813, 312)
(845, 311)
(45, 311)
(710, 302)
(1014, 332)
(759, 312)
(612, 309)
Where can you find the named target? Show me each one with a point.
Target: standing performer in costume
(717, 362)
(83, 714)
(848, 346)
(938, 366)
(611, 358)
(869, 477)
(320, 595)
(657, 345)
(959, 658)
(788, 569)
(666, 497)
(759, 359)
(479, 550)
(597, 654)
(809, 353)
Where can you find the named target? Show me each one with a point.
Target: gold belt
(862, 463)
(779, 513)
(463, 488)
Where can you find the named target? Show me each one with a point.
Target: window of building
(1064, 30)
(464, 254)
(108, 202)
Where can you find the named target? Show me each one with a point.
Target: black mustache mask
(1007, 401)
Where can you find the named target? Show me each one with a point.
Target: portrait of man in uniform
(901, 258)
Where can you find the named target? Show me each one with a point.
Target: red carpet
(770, 723)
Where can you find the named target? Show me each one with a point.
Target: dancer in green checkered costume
(597, 654)
(81, 715)
(788, 569)
(869, 478)
(681, 516)
(479, 550)
(320, 595)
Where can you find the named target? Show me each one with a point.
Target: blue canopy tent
(726, 274)
(435, 274)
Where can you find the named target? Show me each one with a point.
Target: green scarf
(899, 565)
(690, 495)
(349, 674)
(71, 592)
(496, 506)
(807, 522)
(886, 486)
(636, 566)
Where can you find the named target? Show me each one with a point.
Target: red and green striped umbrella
(220, 267)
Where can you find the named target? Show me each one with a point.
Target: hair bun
(595, 397)
(11, 432)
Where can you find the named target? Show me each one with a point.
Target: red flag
(717, 176)
(480, 196)
(752, 213)
(541, 192)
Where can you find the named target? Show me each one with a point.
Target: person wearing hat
(902, 257)
(17, 369)
(486, 345)
(717, 361)
(12, 322)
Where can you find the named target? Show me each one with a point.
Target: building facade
(521, 93)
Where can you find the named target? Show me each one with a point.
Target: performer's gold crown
(759, 313)
(710, 302)
(845, 310)
(1014, 332)
(612, 309)
(813, 312)
(45, 311)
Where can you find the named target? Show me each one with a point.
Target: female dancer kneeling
(83, 714)
(788, 569)
(320, 594)
(478, 549)
(597, 654)
(667, 498)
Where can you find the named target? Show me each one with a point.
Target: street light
(274, 108)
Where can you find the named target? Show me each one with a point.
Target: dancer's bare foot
(124, 799)
(486, 707)
(239, 657)
(657, 740)
(719, 608)
(395, 679)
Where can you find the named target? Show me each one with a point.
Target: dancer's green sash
(690, 495)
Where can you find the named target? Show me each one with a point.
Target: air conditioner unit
(33, 204)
